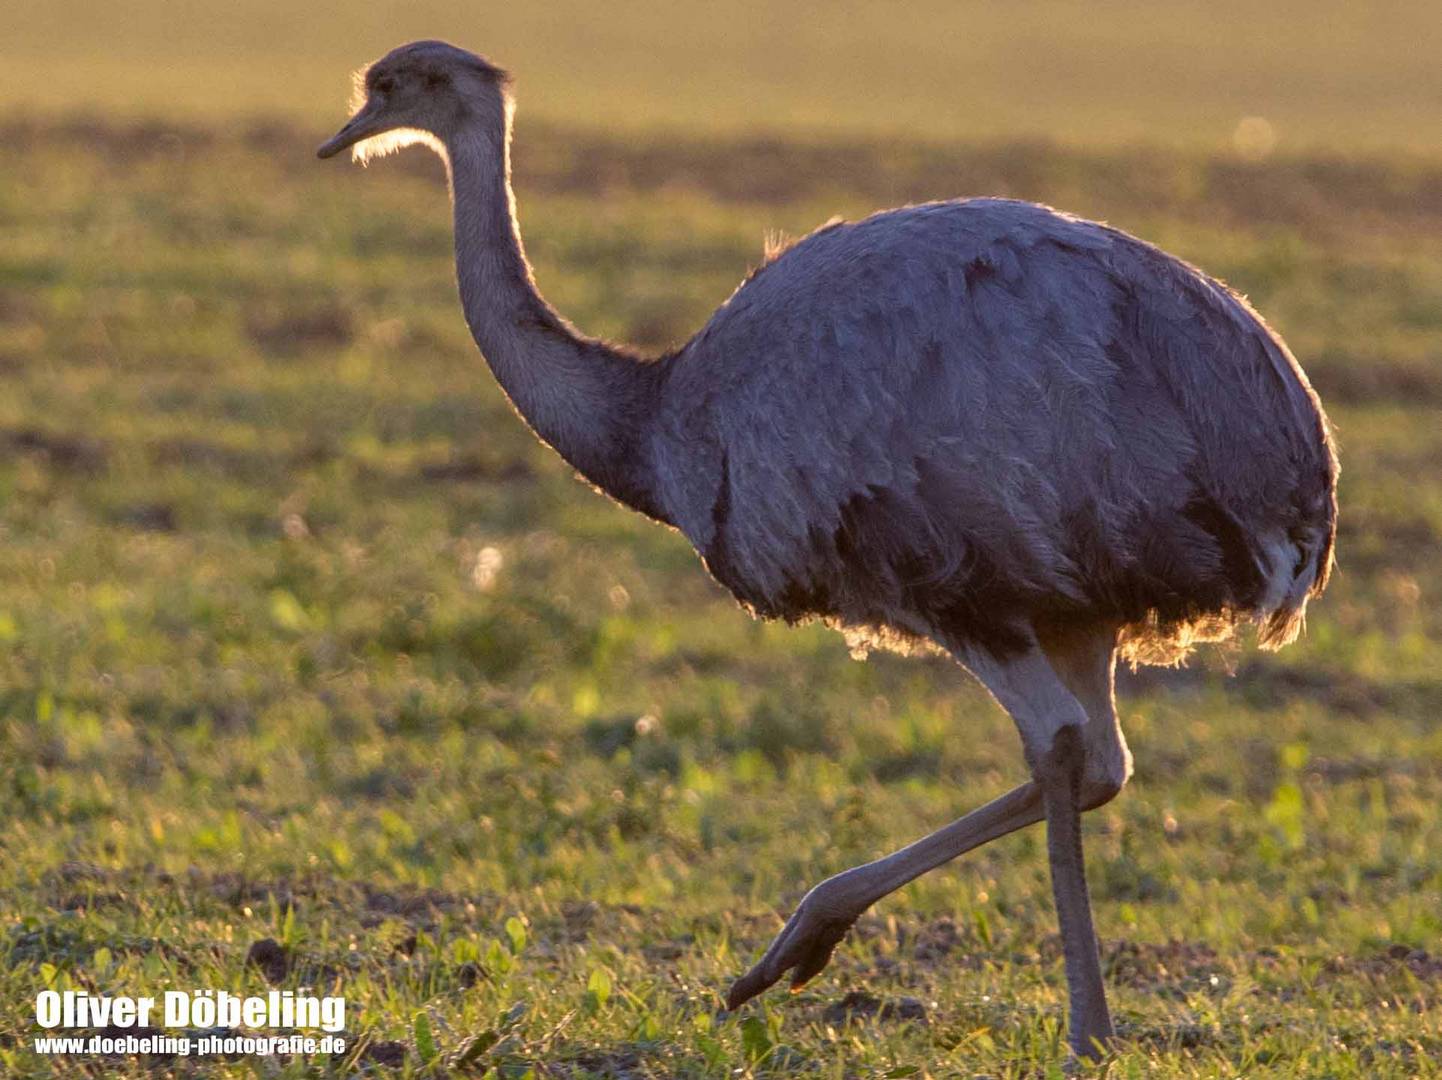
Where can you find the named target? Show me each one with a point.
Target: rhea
(1030, 441)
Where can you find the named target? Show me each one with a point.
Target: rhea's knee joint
(1108, 767)
(1100, 788)
(1096, 771)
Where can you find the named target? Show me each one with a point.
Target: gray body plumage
(945, 421)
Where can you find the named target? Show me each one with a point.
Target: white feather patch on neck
(388, 142)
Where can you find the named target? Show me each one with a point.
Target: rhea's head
(421, 92)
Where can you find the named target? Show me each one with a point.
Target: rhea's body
(944, 421)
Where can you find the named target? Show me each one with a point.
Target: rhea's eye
(385, 84)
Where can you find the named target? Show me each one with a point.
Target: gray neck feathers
(589, 401)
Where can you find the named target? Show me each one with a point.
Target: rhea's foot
(807, 941)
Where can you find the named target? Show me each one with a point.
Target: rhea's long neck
(590, 402)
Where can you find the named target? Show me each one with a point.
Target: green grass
(304, 637)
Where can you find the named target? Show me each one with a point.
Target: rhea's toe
(747, 987)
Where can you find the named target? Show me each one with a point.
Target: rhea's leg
(1064, 682)
(1089, 1026)
(1060, 695)
(805, 944)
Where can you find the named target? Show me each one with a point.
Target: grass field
(304, 638)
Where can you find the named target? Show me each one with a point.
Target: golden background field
(1325, 74)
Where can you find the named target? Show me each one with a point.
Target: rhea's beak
(362, 125)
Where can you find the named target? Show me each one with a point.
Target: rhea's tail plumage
(1300, 564)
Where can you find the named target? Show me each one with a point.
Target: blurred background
(317, 669)
(1328, 74)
